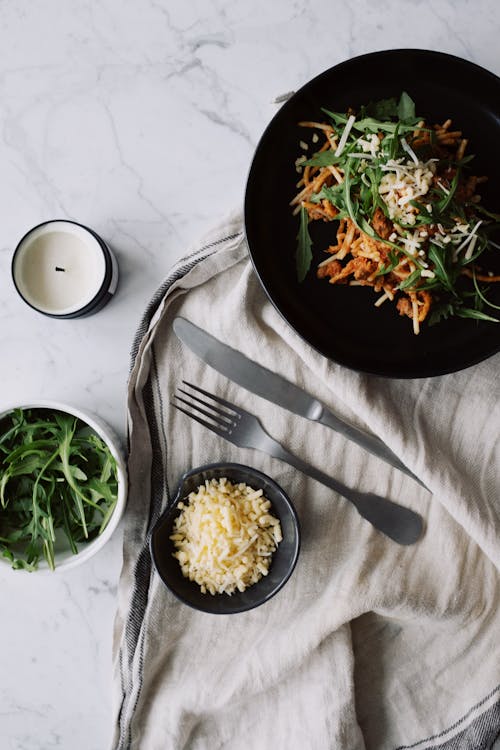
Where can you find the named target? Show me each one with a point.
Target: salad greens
(304, 254)
(57, 478)
(438, 228)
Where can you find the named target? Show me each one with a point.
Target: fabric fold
(369, 645)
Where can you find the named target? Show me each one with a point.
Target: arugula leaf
(437, 255)
(440, 312)
(462, 161)
(332, 193)
(393, 262)
(371, 125)
(410, 280)
(323, 159)
(480, 294)
(55, 474)
(351, 205)
(406, 108)
(394, 143)
(379, 126)
(422, 211)
(445, 202)
(384, 109)
(338, 117)
(489, 214)
(303, 255)
(469, 312)
(378, 116)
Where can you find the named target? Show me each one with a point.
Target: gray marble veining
(140, 120)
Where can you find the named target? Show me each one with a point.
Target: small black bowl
(283, 562)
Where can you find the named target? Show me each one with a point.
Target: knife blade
(274, 388)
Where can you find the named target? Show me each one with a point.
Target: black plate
(340, 321)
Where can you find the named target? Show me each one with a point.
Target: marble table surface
(140, 120)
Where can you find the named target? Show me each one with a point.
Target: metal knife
(267, 384)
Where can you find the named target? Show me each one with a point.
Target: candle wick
(60, 269)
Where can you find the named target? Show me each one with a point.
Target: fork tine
(214, 428)
(229, 416)
(227, 404)
(225, 423)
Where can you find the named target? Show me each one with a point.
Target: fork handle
(370, 443)
(401, 524)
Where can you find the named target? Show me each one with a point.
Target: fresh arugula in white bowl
(63, 486)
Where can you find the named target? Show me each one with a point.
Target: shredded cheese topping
(225, 536)
(343, 139)
(404, 181)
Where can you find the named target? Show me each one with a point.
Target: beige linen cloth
(370, 644)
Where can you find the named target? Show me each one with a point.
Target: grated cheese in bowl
(225, 536)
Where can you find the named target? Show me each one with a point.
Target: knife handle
(401, 524)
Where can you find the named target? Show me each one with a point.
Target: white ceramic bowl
(64, 558)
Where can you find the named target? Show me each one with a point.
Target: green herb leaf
(303, 255)
(323, 159)
(371, 125)
(440, 312)
(338, 117)
(410, 280)
(55, 474)
(395, 142)
(437, 256)
(384, 109)
(445, 202)
(406, 107)
(388, 267)
(332, 193)
(481, 295)
(485, 212)
(468, 312)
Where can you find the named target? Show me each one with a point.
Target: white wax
(59, 245)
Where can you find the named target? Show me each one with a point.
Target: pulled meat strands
(416, 307)
(368, 255)
(364, 270)
(314, 177)
(443, 135)
(382, 225)
(324, 210)
(312, 187)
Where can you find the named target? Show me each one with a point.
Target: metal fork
(245, 430)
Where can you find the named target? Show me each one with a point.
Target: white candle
(63, 269)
